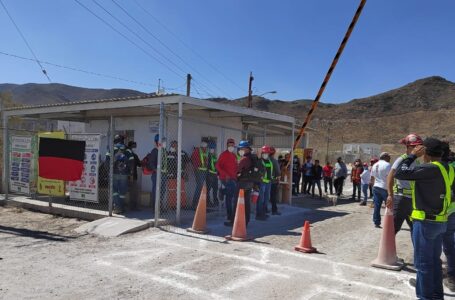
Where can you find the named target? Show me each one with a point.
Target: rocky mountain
(33, 93)
(426, 106)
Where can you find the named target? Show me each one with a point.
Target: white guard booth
(185, 120)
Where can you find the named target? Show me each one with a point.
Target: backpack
(256, 171)
(147, 164)
(121, 163)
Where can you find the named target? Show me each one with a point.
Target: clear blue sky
(287, 44)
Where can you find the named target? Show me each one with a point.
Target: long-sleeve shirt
(276, 170)
(227, 166)
(429, 187)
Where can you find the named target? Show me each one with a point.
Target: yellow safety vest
(212, 169)
(447, 206)
(203, 158)
(267, 165)
(402, 191)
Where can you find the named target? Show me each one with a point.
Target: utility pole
(159, 87)
(188, 85)
(328, 141)
(250, 92)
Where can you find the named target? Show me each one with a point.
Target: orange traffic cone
(239, 228)
(387, 256)
(305, 241)
(199, 223)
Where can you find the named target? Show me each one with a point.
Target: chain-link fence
(168, 192)
(90, 194)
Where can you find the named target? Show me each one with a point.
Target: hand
(389, 202)
(418, 150)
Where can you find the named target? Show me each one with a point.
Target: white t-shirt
(365, 176)
(404, 184)
(379, 171)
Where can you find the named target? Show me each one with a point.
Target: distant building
(362, 151)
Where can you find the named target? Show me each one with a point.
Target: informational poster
(21, 160)
(86, 188)
(51, 187)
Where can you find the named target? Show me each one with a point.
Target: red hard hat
(411, 139)
(272, 150)
(374, 160)
(365, 164)
(266, 149)
(230, 140)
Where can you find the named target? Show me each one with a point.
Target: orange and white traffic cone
(305, 241)
(387, 256)
(200, 218)
(239, 228)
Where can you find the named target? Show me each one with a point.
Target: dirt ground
(41, 257)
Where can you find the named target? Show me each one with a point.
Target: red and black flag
(61, 159)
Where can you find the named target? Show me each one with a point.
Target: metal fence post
(291, 166)
(5, 178)
(111, 163)
(158, 167)
(179, 162)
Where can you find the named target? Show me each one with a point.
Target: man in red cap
(400, 191)
(227, 172)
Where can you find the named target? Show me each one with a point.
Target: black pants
(274, 196)
(328, 181)
(212, 187)
(338, 184)
(402, 209)
(356, 187)
(295, 183)
(318, 183)
(370, 188)
(247, 188)
(306, 184)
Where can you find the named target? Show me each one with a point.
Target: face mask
(265, 156)
(212, 150)
(242, 152)
(172, 149)
(204, 145)
(163, 144)
(231, 149)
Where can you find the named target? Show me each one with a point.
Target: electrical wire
(128, 39)
(78, 70)
(26, 42)
(168, 48)
(188, 47)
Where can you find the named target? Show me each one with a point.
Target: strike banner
(50, 186)
(21, 160)
(86, 189)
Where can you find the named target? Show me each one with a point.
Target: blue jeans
(365, 192)
(379, 195)
(448, 245)
(427, 240)
(230, 191)
(264, 198)
(201, 176)
(120, 185)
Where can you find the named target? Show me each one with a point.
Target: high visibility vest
(212, 169)
(163, 161)
(203, 156)
(238, 156)
(447, 205)
(267, 165)
(398, 190)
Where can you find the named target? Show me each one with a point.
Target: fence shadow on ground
(287, 224)
(34, 234)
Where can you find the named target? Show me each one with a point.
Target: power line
(25, 41)
(143, 40)
(128, 39)
(78, 70)
(190, 48)
(165, 46)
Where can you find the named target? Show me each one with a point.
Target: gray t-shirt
(404, 184)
